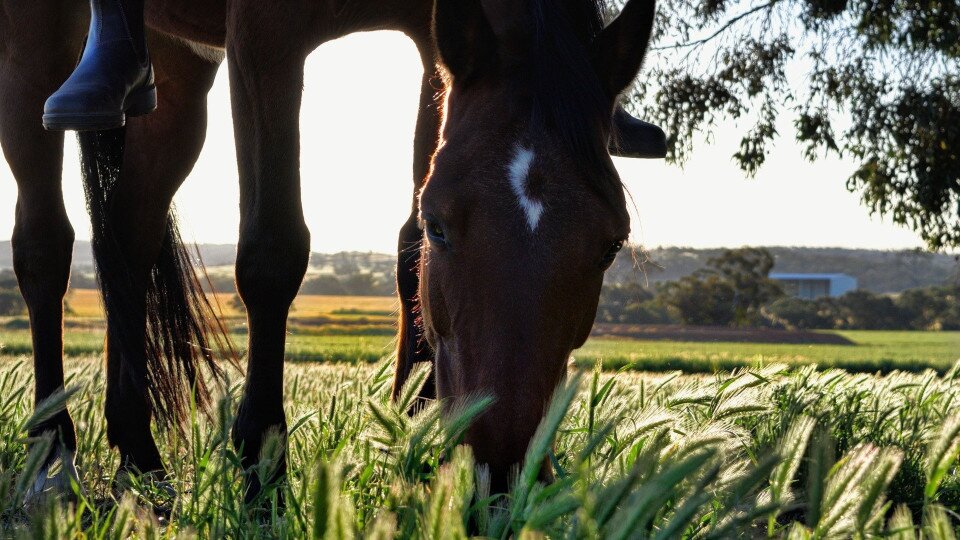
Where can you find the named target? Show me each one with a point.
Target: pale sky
(361, 96)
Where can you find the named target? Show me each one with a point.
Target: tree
(360, 284)
(933, 308)
(324, 284)
(704, 298)
(11, 303)
(731, 290)
(83, 280)
(629, 303)
(8, 280)
(236, 303)
(798, 314)
(748, 270)
(864, 310)
(879, 85)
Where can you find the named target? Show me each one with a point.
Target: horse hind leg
(157, 316)
(33, 63)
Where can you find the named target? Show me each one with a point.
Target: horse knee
(42, 253)
(270, 267)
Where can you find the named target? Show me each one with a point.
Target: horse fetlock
(56, 478)
(61, 427)
(262, 445)
(257, 431)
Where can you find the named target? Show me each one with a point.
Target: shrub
(798, 314)
(11, 303)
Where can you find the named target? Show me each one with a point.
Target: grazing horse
(522, 210)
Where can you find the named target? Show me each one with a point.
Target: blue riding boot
(114, 79)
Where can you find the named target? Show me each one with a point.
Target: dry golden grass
(310, 305)
(85, 303)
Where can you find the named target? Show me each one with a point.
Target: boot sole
(139, 104)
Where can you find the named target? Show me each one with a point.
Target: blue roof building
(811, 286)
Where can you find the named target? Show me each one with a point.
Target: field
(751, 441)
(756, 453)
(361, 329)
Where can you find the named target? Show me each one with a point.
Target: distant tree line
(930, 308)
(358, 283)
(11, 303)
(879, 271)
(355, 284)
(735, 290)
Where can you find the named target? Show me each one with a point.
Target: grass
(85, 303)
(361, 329)
(758, 453)
(872, 351)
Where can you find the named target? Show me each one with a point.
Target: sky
(361, 95)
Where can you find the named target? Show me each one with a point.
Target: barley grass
(767, 452)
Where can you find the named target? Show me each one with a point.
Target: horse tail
(165, 355)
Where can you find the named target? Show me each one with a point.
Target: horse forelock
(567, 97)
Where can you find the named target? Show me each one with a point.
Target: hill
(878, 271)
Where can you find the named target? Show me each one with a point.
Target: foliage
(220, 282)
(236, 304)
(83, 280)
(866, 311)
(934, 308)
(630, 303)
(732, 455)
(705, 298)
(324, 284)
(8, 280)
(730, 291)
(355, 284)
(797, 314)
(11, 303)
(872, 81)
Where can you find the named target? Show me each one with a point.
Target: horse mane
(568, 97)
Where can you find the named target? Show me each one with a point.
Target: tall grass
(754, 453)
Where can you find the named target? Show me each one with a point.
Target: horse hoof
(55, 479)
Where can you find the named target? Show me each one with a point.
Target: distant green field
(871, 351)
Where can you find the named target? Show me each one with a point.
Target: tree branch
(720, 30)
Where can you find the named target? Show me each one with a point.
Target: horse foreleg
(266, 84)
(33, 63)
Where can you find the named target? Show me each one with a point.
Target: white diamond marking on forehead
(519, 171)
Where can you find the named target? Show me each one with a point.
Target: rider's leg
(114, 78)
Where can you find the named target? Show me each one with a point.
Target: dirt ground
(671, 332)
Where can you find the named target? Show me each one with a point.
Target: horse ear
(463, 36)
(620, 47)
(635, 138)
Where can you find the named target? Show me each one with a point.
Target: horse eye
(611, 254)
(435, 231)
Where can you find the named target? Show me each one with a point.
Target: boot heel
(143, 102)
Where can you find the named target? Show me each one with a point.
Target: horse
(516, 207)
